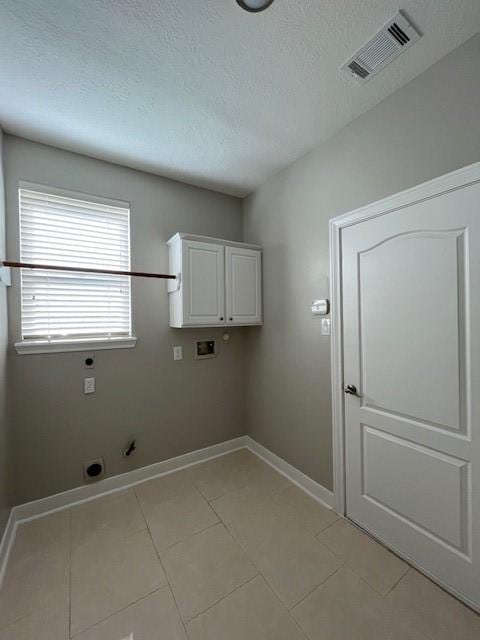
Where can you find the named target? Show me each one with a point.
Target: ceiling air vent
(388, 43)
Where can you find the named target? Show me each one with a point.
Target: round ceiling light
(254, 6)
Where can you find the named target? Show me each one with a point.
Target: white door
(244, 285)
(203, 282)
(411, 310)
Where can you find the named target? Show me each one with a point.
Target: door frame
(392, 204)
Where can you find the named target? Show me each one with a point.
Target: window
(75, 232)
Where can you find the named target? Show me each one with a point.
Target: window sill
(62, 346)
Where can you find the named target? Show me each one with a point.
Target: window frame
(89, 343)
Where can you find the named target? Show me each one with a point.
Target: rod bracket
(6, 276)
(174, 285)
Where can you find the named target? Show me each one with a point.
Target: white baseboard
(7, 542)
(314, 489)
(70, 498)
(67, 499)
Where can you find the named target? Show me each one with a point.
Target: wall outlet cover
(88, 385)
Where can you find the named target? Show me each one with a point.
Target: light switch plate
(178, 353)
(325, 329)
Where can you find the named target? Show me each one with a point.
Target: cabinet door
(203, 281)
(244, 286)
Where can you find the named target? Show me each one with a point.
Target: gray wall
(427, 128)
(171, 407)
(4, 443)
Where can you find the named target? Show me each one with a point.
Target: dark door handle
(351, 389)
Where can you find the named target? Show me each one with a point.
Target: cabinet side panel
(175, 297)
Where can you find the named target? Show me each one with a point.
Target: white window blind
(58, 230)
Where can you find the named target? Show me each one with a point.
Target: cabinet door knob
(231, 319)
(221, 319)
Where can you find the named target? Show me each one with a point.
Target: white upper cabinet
(203, 283)
(243, 268)
(218, 282)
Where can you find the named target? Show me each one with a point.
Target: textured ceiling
(199, 90)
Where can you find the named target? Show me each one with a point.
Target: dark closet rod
(52, 267)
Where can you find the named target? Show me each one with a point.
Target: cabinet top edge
(232, 243)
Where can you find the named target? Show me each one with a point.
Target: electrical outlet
(89, 385)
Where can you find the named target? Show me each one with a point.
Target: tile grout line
(398, 581)
(30, 614)
(371, 538)
(244, 486)
(115, 613)
(284, 606)
(201, 613)
(252, 483)
(331, 525)
(157, 553)
(215, 524)
(219, 522)
(313, 536)
(235, 540)
(345, 565)
(170, 588)
(146, 528)
(258, 573)
(227, 595)
(315, 588)
(160, 561)
(406, 561)
(133, 487)
(14, 622)
(197, 533)
(289, 609)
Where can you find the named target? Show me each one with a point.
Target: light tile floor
(226, 550)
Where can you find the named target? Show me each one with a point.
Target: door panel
(411, 296)
(409, 325)
(244, 285)
(433, 479)
(204, 284)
